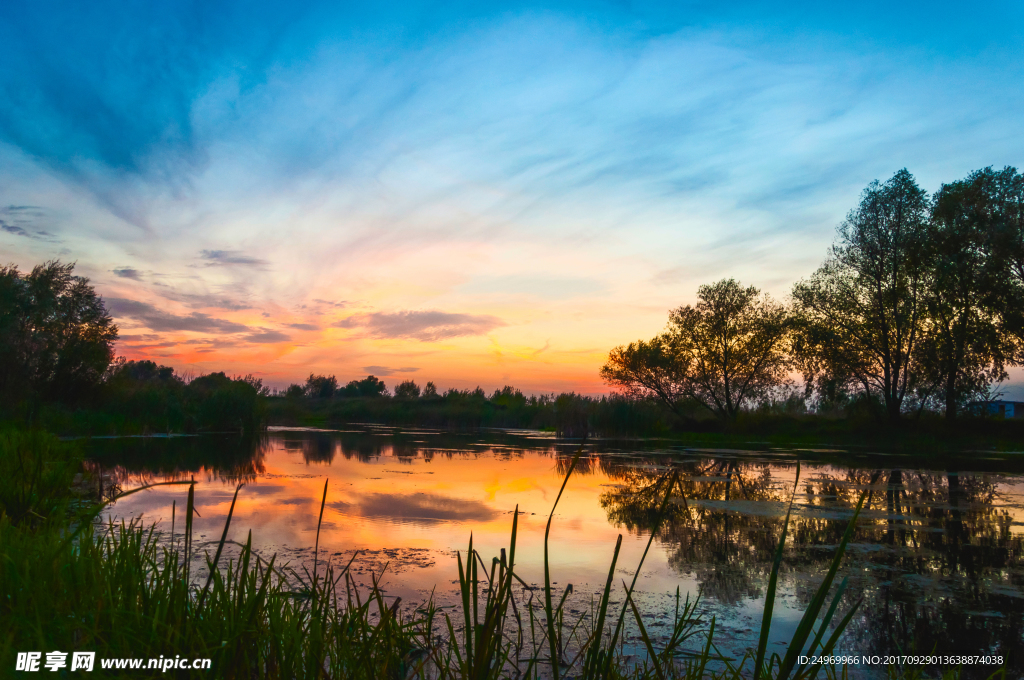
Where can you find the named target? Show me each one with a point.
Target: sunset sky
(468, 193)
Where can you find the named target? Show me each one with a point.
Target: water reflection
(937, 555)
(142, 460)
(421, 508)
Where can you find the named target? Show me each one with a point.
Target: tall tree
(724, 352)
(861, 313)
(964, 351)
(1003, 210)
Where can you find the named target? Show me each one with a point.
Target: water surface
(938, 555)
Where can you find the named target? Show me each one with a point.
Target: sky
(468, 193)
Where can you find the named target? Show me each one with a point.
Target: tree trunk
(892, 408)
(951, 396)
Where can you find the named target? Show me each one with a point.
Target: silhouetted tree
(1003, 211)
(56, 337)
(320, 386)
(221, 403)
(121, 369)
(508, 397)
(430, 391)
(367, 387)
(407, 389)
(294, 391)
(726, 351)
(963, 350)
(861, 315)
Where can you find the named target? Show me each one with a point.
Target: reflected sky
(938, 555)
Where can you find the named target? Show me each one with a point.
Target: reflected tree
(930, 547)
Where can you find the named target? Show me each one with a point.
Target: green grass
(36, 474)
(123, 590)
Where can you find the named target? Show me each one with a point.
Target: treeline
(918, 308)
(320, 401)
(59, 372)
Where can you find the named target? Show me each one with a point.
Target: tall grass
(123, 590)
(37, 472)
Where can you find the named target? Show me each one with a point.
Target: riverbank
(573, 416)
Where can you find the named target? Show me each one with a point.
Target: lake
(938, 554)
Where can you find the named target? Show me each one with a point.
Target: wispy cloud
(384, 371)
(231, 257)
(35, 234)
(13, 229)
(428, 326)
(201, 300)
(159, 320)
(546, 287)
(337, 303)
(580, 173)
(268, 336)
(128, 273)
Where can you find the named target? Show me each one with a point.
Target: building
(998, 408)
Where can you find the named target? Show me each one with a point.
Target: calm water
(938, 556)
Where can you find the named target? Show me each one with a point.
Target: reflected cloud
(425, 508)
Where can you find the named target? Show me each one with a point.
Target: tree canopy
(722, 353)
(56, 336)
(862, 313)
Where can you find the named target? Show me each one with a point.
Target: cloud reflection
(421, 508)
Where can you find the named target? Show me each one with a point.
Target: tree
(1003, 212)
(15, 337)
(143, 371)
(56, 336)
(508, 397)
(407, 390)
(724, 352)
(367, 387)
(860, 316)
(220, 403)
(320, 386)
(430, 391)
(963, 350)
(648, 369)
(257, 384)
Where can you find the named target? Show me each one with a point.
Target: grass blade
(644, 636)
(806, 624)
(319, 521)
(553, 643)
(220, 549)
(769, 598)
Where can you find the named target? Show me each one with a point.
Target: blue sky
(468, 193)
